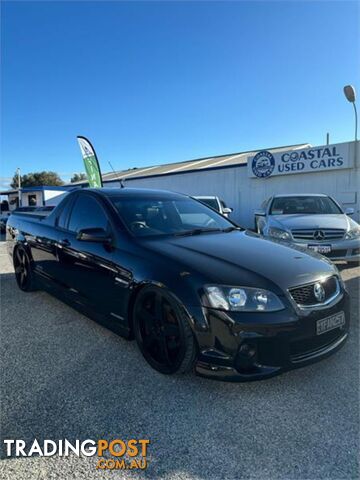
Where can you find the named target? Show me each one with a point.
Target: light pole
(19, 185)
(350, 95)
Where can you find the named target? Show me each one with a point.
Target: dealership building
(244, 180)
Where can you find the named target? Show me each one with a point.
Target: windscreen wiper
(231, 229)
(197, 231)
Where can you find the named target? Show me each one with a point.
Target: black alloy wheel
(162, 332)
(23, 270)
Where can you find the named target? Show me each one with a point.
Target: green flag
(91, 163)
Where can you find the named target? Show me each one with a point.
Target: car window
(64, 214)
(159, 216)
(211, 202)
(87, 213)
(189, 216)
(310, 205)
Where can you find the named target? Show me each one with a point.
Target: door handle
(64, 242)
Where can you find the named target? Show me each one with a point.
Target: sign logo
(263, 164)
(300, 160)
(319, 292)
(319, 235)
(116, 454)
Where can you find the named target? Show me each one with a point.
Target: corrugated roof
(205, 163)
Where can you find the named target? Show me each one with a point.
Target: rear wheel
(162, 332)
(23, 270)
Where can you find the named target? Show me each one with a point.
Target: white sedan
(315, 221)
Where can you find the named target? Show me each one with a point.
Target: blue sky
(159, 82)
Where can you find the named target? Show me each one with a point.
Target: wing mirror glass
(260, 213)
(349, 211)
(96, 235)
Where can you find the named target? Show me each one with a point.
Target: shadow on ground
(64, 376)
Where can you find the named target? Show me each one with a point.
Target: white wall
(54, 197)
(12, 198)
(25, 198)
(245, 194)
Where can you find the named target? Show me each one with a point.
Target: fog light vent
(246, 357)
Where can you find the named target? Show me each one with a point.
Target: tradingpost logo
(116, 454)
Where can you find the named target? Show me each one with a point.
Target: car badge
(319, 292)
(319, 235)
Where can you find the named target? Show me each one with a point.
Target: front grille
(335, 253)
(305, 295)
(301, 350)
(318, 234)
(307, 345)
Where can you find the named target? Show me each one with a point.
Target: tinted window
(64, 215)
(158, 216)
(304, 205)
(87, 213)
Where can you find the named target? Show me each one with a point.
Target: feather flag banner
(91, 162)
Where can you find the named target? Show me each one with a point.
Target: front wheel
(162, 332)
(23, 270)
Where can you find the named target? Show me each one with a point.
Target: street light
(19, 185)
(350, 95)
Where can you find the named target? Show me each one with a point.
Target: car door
(93, 279)
(42, 243)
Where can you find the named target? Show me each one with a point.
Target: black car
(195, 290)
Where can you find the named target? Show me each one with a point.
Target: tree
(78, 177)
(37, 179)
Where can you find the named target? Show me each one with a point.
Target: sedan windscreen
(168, 216)
(304, 205)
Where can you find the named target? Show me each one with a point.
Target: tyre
(162, 332)
(23, 270)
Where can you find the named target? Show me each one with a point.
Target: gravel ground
(64, 376)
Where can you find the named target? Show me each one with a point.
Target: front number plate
(326, 324)
(320, 248)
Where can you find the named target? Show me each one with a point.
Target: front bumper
(281, 341)
(341, 250)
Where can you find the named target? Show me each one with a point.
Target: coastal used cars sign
(314, 159)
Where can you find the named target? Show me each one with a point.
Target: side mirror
(349, 211)
(260, 213)
(227, 210)
(95, 235)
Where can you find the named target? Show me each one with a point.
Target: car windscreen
(304, 205)
(211, 202)
(167, 216)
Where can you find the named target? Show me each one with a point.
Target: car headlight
(278, 233)
(353, 233)
(242, 299)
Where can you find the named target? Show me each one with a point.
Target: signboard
(314, 159)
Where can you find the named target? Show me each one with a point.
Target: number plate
(320, 248)
(330, 323)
